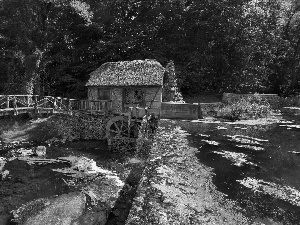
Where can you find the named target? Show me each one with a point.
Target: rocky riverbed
(177, 189)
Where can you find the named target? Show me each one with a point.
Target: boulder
(88, 207)
(64, 209)
(40, 150)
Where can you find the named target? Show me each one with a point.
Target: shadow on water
(276, 165)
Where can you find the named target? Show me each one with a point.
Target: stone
(40, 150)
(59, 210)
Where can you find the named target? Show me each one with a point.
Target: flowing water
(257, 164)
(26, 182)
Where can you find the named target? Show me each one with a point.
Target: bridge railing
(56, 103)
(17, 101)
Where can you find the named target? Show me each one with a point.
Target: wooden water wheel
(120, 126)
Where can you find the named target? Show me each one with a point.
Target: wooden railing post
(58, 102)
(15, 105)
(54, 103)
(105, 108)
(68, 103)
(35, 104)
(110, 106)
(28, 101)
(45, 102)
(7, 102)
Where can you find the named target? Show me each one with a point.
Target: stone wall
(170, 110)
(208, 109)
(81, 126)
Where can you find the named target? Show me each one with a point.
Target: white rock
(40, 150)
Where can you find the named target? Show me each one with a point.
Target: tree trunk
(32, 78)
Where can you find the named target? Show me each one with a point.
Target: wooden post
(68, 104)
(35, 105)
(105, 108)
(129, 121)
(28, 102)
(59, 102)
(36, 100)
(109, 143)
(7, 102)
(109, 107)
(54, 103)
(45, 102)
(15, 105)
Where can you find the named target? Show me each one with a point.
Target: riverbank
(177, 189)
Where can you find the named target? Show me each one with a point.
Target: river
(256, 164)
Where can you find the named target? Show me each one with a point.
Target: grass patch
(37, 130)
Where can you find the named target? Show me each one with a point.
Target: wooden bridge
(20, 104)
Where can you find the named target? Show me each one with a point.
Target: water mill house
(127, 84)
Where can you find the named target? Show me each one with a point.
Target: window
(134, 96)
(103, 94)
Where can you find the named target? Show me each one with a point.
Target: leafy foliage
(51, 46)
(247, 108)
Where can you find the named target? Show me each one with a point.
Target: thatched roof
(125, 73)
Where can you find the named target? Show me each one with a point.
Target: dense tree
(217, 46)
(31, 30)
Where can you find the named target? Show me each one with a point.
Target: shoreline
(177, 189)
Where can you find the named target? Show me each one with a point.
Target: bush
(291, 101)
(246, 108)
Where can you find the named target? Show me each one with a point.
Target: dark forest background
(51, 46)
